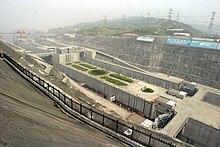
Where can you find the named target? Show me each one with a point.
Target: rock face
(193, 64)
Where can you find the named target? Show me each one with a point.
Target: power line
(195, 21)
(191, 19)
(197, 16)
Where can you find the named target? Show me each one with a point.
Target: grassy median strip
(122, 78)
(70, 63)
(79, 68)
(87, 66)
(98, 72)
(116, 82)
(148, 90)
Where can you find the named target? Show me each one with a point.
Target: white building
(65, 55)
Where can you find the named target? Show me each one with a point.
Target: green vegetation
(122, 78)
(136, 25)
(68, 63)
(98, 72)
(117, 30)
(79, 68)
(116, 82)
(102, 30)
(77, 62)
(148, 90)
(88, 66)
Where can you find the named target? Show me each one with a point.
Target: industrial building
(65, 55)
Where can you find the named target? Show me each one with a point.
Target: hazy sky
(37, 14)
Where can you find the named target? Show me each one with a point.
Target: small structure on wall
(65, 55)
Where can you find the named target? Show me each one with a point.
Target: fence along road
(115, 128)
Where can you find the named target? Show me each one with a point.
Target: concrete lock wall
(129, 50)
(199, 134)
(50, 43)
(199, 65)
(123, 97)
(29, 47)
(212, 98)
(134, 74)
(193, 64)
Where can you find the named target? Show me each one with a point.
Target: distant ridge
(138, 25)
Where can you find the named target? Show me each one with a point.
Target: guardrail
(127, 131)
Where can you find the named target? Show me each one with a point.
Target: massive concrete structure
(196, 64)
(132, 98)
(159, 57)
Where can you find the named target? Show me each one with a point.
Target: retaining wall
(199, 134)
(193, 64)
(29, 47)
(212, 98)
(50, 43)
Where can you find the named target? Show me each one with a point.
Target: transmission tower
(178, 16)
(170, 14)
(148, 16)
(104, 19)
(209, 31)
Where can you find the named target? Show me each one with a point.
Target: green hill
(136, 25)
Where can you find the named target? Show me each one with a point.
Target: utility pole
(170, 14)
(209, 31)
(148, 16)
(178, 16)
(123, 19)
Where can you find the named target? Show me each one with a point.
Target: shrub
(98, 72)
(148, 90)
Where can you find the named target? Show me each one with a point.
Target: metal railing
(128, 131)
